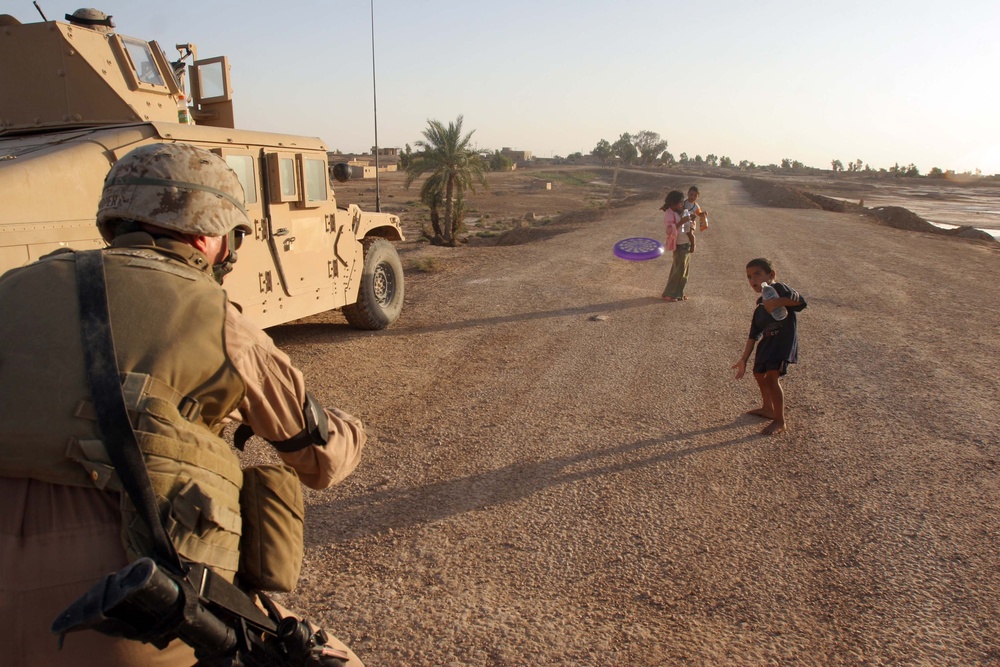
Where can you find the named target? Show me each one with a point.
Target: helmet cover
(94, 19)
(174, 186)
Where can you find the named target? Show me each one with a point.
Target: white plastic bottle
(183, 114)
(768, 292)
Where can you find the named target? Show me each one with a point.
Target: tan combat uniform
(58, 539)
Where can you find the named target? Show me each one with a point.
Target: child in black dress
(778, 346)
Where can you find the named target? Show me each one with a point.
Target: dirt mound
(904, 218)
(776, 196)
(633, 199)
(835, 205)
(527, 234)
(579, 217)
(967, 232)
(779, 196)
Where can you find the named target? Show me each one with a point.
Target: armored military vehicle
(75, 96)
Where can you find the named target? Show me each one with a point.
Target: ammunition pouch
(272, 543)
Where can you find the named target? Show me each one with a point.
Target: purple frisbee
(638, 249)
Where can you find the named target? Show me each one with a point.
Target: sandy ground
(560, 471)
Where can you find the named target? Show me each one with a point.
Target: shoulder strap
(104, 380)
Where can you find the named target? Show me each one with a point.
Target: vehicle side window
(286, 169)
(243, 165)
(316, 180)
(282, 178)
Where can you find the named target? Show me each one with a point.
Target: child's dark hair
(694, 189)
(674, 197)
(761, 263)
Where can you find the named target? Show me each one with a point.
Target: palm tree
(453, 168)
(432, 194)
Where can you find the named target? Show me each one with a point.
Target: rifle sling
(119, 439)
(113, 422)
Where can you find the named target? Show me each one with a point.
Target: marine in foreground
(184, 362)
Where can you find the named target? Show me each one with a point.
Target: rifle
(148, 603)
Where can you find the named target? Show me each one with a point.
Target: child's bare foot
(760, 412)
(774, 428)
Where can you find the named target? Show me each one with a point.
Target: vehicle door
(301, 221)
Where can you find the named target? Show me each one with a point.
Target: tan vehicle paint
(74, 100)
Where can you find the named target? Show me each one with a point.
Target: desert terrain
(560, 471)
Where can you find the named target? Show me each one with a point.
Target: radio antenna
(378, 199)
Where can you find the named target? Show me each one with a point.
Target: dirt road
(544, 488)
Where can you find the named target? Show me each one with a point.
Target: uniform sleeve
(787, 292)
(274, 401)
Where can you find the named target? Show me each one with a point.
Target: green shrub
(427, 265)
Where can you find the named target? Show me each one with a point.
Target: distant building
(361, 169)
(363, 166)
(518, 157)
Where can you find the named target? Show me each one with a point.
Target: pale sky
(884, 81)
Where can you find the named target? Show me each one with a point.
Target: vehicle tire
(380, 297)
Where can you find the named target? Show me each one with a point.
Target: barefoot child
(778, 347)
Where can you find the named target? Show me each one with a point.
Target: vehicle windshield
(142, 60)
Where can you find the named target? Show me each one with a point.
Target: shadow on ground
(378, 512)
(307, 332)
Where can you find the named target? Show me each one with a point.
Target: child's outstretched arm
(741, 365)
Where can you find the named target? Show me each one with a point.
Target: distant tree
(668, 158)
(649, 145)
(911, 170)
(699, 159)
(446, 155)
(575, 156)
(458, 214)
(432, 195)
(837, 165)
(744, 164)
(935, 172)
(499, 162)
(786, 163)
(712, 160)
(404, 157)
(725, 161)
(683, 158)
(602, 150)
(624, 149)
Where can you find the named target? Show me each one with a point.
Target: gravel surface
(560, 470)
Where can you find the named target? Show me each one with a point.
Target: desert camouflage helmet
(174, 186)
(94, 19)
